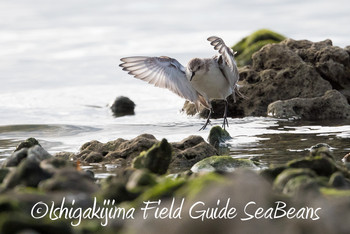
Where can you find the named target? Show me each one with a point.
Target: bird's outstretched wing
(163, 72)
(226, 60)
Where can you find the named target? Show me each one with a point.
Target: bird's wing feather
(226, 60)
(163, 72)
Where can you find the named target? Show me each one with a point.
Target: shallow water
(58, 70)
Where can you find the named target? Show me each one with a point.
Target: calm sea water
(59, 70)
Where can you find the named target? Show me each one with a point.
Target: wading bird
(203, 80)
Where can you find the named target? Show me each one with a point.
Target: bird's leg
(225, 115)
(208, 119)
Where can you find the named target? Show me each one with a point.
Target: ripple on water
(270, 140)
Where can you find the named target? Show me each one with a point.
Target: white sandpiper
(203, 80)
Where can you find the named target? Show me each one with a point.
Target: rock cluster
(123, 152)
(316, 187)
(300, 79)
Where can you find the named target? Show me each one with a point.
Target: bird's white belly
(212, 85)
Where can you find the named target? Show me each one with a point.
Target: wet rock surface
(315, 190)
(123, 106)
(298, 75)
(182, 156)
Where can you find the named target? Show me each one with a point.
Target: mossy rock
(288, 174)
(114, 188)
(140, 180)
(338, 180)
(333, 192)
(156, 159)
(164, 189)
(30, 142)
(300, 184)
(322, 165)
(254, 42)
(221, 163)
(321, 149)
(197, 184)
(15, 222)
(218, 135)
(272, 172)
(8, 205)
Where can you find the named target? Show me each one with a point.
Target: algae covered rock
(254, 42)
(156, 159)
(283, 178)
(140, 180)
(222, 163)
(30, 142)
(123, 106)
(321, 149)
(218, 135)
(338, 180)
(323, 166)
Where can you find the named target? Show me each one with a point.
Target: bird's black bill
(193, 73)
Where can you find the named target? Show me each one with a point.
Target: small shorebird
(203, 80)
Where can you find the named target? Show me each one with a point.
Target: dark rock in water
(70, 180)
(156, 159)
(292, 69)
(123, 106)
(321, 149)
(28, 173)
(332, 105)
(30, 142)
(322, 165)
(218, 135)
(188, 152)
(222, 164)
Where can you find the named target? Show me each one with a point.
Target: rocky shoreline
(194, 186)
(292, 79)
(189, 171)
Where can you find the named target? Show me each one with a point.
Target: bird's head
(195, 66)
